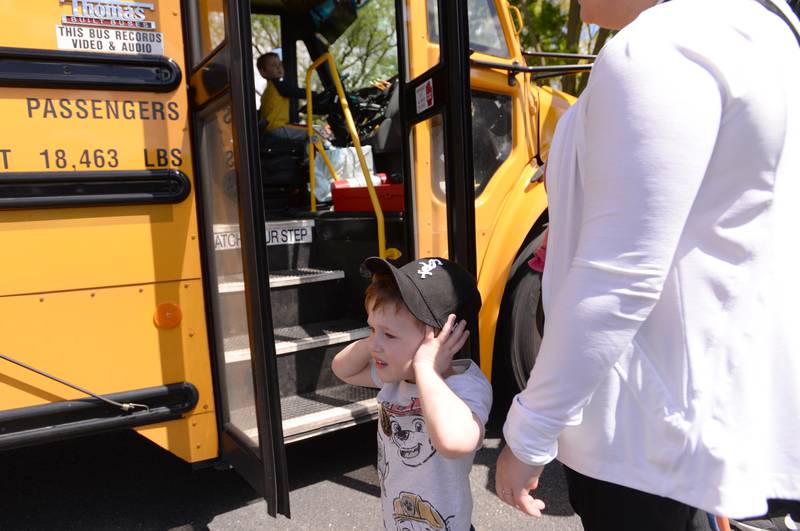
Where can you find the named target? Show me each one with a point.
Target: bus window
(485, 31)
(433, 21)
(266, 31)
(430, 192)
(491, 135)
(211, 31)
(228, 301)
(422, 43)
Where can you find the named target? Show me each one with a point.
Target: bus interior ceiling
(316, 286)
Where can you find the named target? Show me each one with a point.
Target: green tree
(266, 30)
(555, 26)
(366, 51)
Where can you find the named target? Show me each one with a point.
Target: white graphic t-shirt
(420, 489)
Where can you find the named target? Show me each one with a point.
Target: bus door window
(222, 213)
(491, 135)
(236, 269)
(485, 30)
(211, 30)
(433, 21)
(430, 194)
(422, 43)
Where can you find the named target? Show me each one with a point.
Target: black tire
(519, 328)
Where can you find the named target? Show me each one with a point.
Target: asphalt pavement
(121, 481)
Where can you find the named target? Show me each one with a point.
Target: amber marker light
(168, 315)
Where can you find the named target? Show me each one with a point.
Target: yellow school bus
(165, 270)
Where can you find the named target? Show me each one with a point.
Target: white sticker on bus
(288, 235)
(227, 240)
(276, 235)
(424, 95)
(107, 40)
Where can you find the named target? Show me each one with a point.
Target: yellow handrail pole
(311, 177)
(518, 13)
(312, 180)
(351, 128)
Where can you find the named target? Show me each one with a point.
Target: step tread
(308, 414)
(303, 275)
(282, 278)
(301, 337)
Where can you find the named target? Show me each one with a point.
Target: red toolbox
(350, 196)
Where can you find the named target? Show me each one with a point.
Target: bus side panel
(193, 439)
(64, 130)
(27, 24)
(77, 248)
(106, 341)
(73, 249)
(80, 286)
(489, 205)
(523, 206)
(552, 105)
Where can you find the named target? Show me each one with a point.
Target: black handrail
(516, 68)
(74, 418)
(20, 190)
(28, 67)
(560, 55)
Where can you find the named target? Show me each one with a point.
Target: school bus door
(435, 107)
(235, 253)
(433, 41)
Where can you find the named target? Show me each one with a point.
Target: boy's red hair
(383, 290)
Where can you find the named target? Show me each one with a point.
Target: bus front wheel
(519, 328)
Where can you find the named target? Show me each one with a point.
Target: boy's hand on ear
(437, 351)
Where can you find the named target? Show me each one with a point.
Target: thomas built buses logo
(109, 14)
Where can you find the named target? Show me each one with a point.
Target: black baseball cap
(432, 288)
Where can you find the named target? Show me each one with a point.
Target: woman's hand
(514, 480)
(437, 351)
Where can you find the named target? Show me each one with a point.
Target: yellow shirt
(274, 107)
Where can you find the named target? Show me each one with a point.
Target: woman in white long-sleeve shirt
(669, 374)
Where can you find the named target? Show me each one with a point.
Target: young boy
(274, 110)
(432, 408)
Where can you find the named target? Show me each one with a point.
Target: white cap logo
(427, 267)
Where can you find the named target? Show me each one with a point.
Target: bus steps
(309, 414)
(297, 338)
(281, 279)
(313, 335)
(316, 296)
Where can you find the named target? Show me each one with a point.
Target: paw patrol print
(408, 431)
(412, 513)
